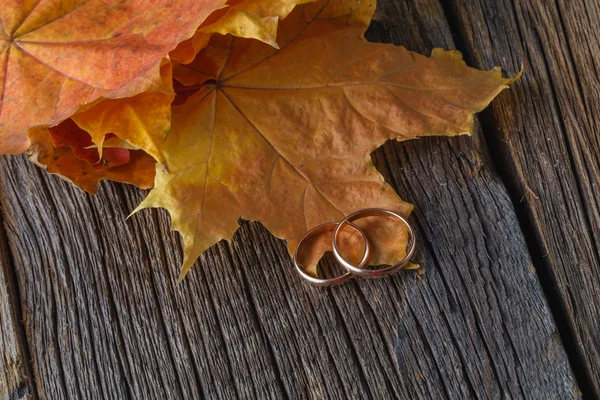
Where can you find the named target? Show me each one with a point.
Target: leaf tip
(185, 269)
(518, 76)
(140, 207)
(411, 266)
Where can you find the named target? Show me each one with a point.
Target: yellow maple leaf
(142, 120)
(252, 19)
(284, 136)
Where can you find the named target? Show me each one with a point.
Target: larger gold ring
(374, 212)
(314, 232)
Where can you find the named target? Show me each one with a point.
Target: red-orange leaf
(58, 54)
(68, 134)
(122, 165)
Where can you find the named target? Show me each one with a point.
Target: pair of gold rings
(359, 269)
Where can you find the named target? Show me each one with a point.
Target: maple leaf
(68, 134)
(78, 51)
(252, 19)
(96, 137)
(64, 154)
(284, 136)
(143, 120)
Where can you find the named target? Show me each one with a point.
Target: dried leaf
(142, 120)
(116, 143)
(252, 19)
(78, 51)
(68, 134)
(284, 136)
(129, 166)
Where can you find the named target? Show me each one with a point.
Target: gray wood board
(104, 317)
(14, 380)
(547, 137)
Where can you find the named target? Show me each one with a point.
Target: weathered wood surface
(104, 318)
(549, 144)
(14, 382)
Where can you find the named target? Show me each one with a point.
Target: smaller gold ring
(326, 227)
(374, 212)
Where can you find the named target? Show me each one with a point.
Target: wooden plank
(106, 319)
(14, 380)
(547, 134)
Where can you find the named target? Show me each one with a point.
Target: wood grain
(105, 318)
(14, 379)
(548, 139)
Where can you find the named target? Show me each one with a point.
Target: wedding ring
(316, 231)
(373, 212)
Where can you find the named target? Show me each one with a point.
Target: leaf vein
(424, 114)
(206, 173)
(54, 69)
(4, 80)
(52, 21)
(345, 67)
(282, 156)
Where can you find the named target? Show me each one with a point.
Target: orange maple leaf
(284, 136)
(81, 50)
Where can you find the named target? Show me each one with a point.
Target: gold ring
(373, 212)
(314, 232)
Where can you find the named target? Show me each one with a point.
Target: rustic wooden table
(508, 222)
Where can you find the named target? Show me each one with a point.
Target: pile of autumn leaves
(261, 109)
